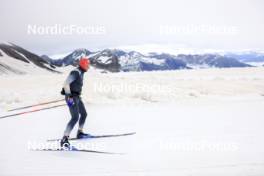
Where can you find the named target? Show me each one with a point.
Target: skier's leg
(82, 110)
(83, 113)
(74, 110)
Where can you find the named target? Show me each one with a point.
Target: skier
(72, 89)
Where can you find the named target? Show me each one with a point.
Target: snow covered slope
(138, 87)
(209, 123)
(16, 60)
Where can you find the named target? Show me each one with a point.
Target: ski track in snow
(210, 124)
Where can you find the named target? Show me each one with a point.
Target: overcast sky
(213, 24)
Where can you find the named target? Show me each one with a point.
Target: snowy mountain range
(211, 60)
(248, 56)
(15, 59)
(115, 60)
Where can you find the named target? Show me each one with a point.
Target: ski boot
(65, 142)
(81, 135)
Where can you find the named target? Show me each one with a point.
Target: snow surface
(208, 123)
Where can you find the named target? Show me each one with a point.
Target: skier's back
(72, 89)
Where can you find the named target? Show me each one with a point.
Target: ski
(74, 149)
(96, 136)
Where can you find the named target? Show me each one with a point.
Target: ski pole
(36, 110)
(40, 104)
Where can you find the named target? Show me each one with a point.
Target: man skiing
(72, 89)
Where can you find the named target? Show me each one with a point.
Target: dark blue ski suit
(72, 89)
